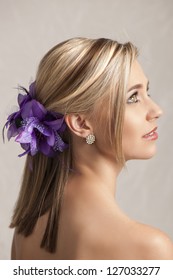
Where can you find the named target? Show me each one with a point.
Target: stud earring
(90, 139)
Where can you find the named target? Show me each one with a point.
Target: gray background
(29, 28)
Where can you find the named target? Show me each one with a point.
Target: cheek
(134, 146)
(133, 127)
(131, 137)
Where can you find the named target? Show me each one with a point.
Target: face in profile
(141, 115)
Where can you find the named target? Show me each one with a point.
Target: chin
(145, 154)
(149, 153)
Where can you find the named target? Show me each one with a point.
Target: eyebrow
(138, 86)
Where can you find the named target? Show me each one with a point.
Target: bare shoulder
(127, 240)
(154, 244)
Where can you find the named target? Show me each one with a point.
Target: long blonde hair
(75, 76)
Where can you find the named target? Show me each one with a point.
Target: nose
(154, 111)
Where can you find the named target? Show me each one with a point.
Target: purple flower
(35, 128)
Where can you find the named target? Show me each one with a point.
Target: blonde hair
(76, 76)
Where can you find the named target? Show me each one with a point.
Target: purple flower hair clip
(35, 128)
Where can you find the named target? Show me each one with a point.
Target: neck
(97, 170)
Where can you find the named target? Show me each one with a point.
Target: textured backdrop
(29, 28)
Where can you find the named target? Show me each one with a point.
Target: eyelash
(130, 101)
(135, 94)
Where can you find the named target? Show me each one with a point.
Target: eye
(133, 98)
(148, 94)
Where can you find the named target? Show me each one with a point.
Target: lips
(152, 135)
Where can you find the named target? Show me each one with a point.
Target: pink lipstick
(152, 135)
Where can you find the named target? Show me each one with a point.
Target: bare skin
(89, 231)
(92, 226)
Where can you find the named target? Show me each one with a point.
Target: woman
(86, 114)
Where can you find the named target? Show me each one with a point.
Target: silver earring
(90, 139)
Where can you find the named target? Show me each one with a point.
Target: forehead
(137, 75)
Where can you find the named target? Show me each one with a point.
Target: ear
(79, 124)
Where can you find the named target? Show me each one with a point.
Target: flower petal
(26, 147)
(23, 99)
(12, 131)
(45, 130)
(33, 145)
(26, 111)
(24, 137)
(56, 124)
(60, 145)
(38, 110)
(51, 139)
(44, 147)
